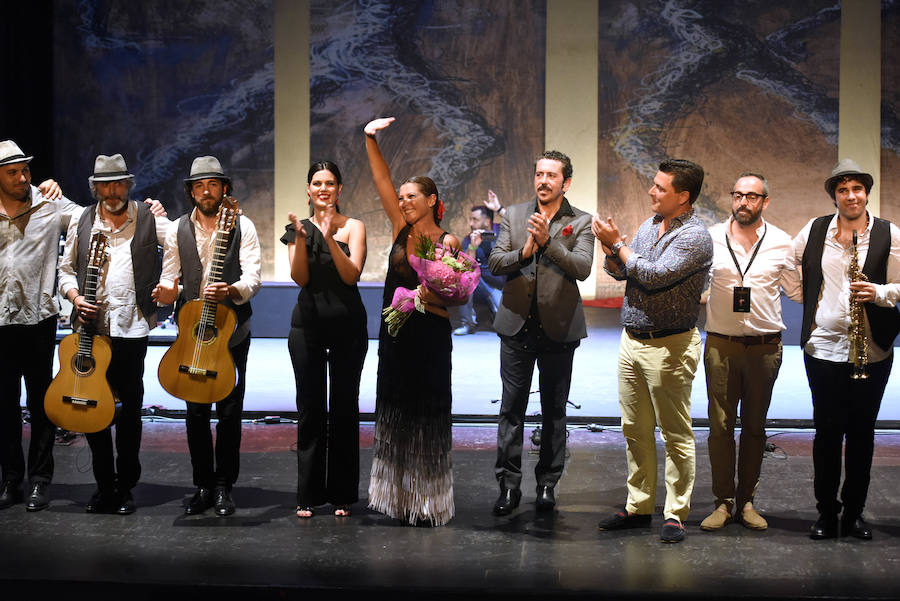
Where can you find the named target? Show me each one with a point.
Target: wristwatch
(615, 248)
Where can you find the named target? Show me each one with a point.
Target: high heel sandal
(311, 511)
(342, 511)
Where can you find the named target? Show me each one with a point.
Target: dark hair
(555, 155)
(484, 211)
(428, 187)
(324, 166)
(685, 176)
(764, 181)
(189, 185)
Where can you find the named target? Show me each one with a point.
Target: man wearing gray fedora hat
(847, 386)
(124, 310)
(188, 258)
(31, 222)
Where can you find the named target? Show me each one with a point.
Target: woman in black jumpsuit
(328, 336)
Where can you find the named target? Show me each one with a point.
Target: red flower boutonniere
(567, 231)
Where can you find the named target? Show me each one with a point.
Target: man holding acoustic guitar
(112, 257)
(215, 254)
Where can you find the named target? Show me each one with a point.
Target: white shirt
(118, 314)
(772, 269)
(250, 257)
(29, 247)
(829, 339)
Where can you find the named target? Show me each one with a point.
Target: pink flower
(567, 231)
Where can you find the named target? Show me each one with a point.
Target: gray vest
(146, 260)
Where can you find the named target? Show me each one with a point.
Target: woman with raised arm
(411, 470)
(328, 328)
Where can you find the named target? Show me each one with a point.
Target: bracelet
(615, 248)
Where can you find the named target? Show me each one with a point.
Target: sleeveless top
(326, 297)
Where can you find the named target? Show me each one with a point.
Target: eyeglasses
(750, 196)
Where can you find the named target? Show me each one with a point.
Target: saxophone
(859, 354)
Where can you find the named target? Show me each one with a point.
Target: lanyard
(733, 258)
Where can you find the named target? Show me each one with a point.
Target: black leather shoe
(39, 498)
(101, 502)
(10, 493)
(224, 504)
(825, 527)
(126, 504)
(857, 528)
(200, 502)
(622, 520)
(507, 501)
(545, 500)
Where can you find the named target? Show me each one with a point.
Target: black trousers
(327, 435)
(219, 466)
(27, 352)
(517, 358)
(126, 378)
(844, 410)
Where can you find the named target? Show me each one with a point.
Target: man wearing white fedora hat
(847, 387)
(188, 257)
(124, 311)
(31, 222)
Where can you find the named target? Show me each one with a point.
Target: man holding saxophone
(846, 384)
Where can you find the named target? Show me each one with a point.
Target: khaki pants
(655, 379)
(738, 373)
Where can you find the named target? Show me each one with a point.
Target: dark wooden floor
(264, 552)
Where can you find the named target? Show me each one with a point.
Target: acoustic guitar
(198, 367)
(79, 398)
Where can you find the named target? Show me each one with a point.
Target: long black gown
(328, 328)
(411, 467)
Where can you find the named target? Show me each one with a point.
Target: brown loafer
(718, 519)
(751, 519)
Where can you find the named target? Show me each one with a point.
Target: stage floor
(264, 552)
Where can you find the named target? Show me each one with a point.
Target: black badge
(741, 300)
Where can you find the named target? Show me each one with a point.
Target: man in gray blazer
(544, 246)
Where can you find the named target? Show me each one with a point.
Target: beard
(208, 205)
(746, 217)
(115, 206)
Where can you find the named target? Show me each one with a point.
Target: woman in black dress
(328, 333)
(411, 469)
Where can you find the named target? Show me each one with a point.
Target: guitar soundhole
(205, 334)
(83, 365)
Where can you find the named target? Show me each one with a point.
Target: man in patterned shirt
(665, 270)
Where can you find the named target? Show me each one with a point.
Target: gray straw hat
(207, 167)
(11, 153)
(847, 168)
(109, 169)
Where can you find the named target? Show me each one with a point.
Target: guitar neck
(220, 247)
(86, 340)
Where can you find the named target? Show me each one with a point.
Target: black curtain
(26, 84)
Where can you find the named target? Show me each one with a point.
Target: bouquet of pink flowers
(451, 274)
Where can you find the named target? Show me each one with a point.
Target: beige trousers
(655, 378)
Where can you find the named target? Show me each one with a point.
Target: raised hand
(50, 190)
(156, 207)
(298, 224)
(492, 202)
(377, 125)
(539, 228)
(327, 222)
